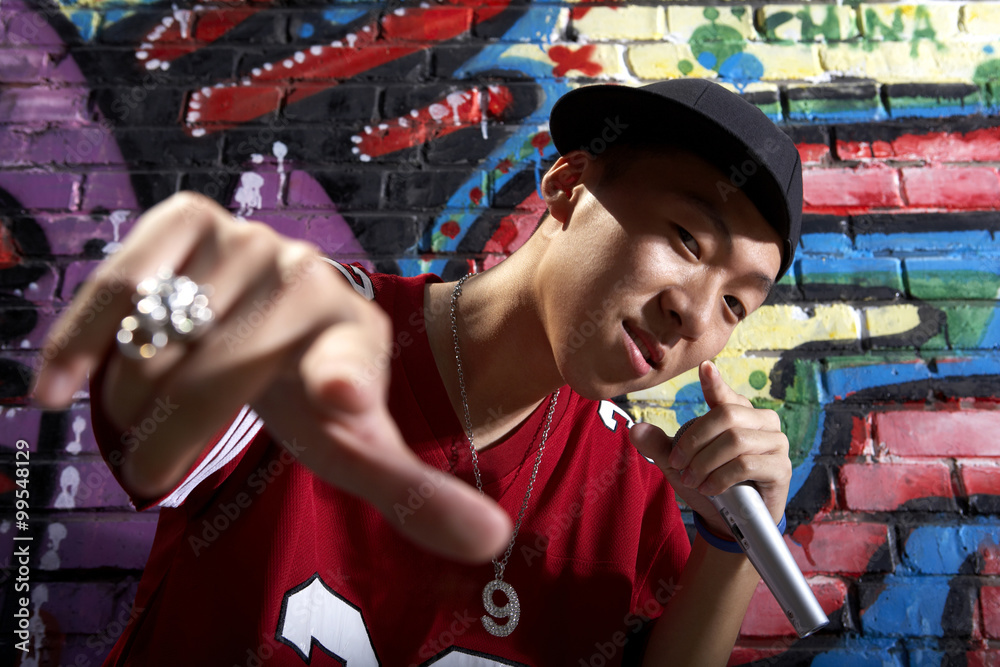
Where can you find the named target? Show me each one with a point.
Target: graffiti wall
(412, 135)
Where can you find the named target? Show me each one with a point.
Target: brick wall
(411, 136)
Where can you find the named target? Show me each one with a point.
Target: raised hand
(290, 337)
(733, 442)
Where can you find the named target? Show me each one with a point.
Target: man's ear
(560, 181)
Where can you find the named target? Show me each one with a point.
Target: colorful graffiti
(411, 136)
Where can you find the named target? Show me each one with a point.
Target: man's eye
(688, 240)
(737, 307)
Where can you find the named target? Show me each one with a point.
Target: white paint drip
(438, 111)
(50, 559)
(183, 17)
(455, 100)
(248, 194)
(79, 426)
(116, 218)
(257, 158)
(69, 484)
(5, 526)
(280, 150)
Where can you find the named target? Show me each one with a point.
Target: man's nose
(691, 309)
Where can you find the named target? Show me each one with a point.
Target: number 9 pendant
(511, 611)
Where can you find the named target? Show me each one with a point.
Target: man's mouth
(640, 344)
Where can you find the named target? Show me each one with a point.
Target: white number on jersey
(607, 411)
(313, 612)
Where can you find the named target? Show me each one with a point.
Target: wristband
(722, 543)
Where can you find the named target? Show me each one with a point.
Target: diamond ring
(167, 308)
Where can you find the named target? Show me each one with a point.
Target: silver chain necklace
(512, 610)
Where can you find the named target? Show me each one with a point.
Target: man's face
(650, 272)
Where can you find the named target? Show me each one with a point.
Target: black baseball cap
(701, 117)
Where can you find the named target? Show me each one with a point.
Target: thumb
(715, 389)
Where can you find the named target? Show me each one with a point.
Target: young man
(358, 525)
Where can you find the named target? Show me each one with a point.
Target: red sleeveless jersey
(257, 562)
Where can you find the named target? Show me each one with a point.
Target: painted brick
(664, 61)
(46, 105)
(824, 244)
(947, 549)
(75, 274)
(888, 486)
(78, 607)
(19, 423)
(980, 19)
(891, 320)
(989, 597)
(982, 658)
(423, 25)
(784, 327)
(991, 559)
(856, 102)
(84, 483)
(41, 190)
(969, 277)
(981, 145)
(110, 190)
(918, 606)
(41, 290)
(99, 541)
(837, 547)
(861, 437)
(29, 28)
(73, 146)
(893, 62)
(933, 100)
(15, 148)
(796, 61)
(857, 188)
(231, 108)
(954, 188)
(587, 60)
(972, 326)
(709, 24)
(857, 272)
(938, 433)
(764, 618)
(808, 23)
(22, 66)
(813, 153)
(852, 150)
(622, 23)
(981, 478)
(938, 242)
(906, 22)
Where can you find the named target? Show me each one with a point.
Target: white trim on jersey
(246, 425)
(237, 437)
(359, 280)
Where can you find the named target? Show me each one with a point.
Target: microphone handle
(752, 526)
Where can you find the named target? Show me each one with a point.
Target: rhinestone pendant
(511, 611)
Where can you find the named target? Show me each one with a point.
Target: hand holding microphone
(711, 470)
(751, 524)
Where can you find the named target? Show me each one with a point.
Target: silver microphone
(752, 526)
